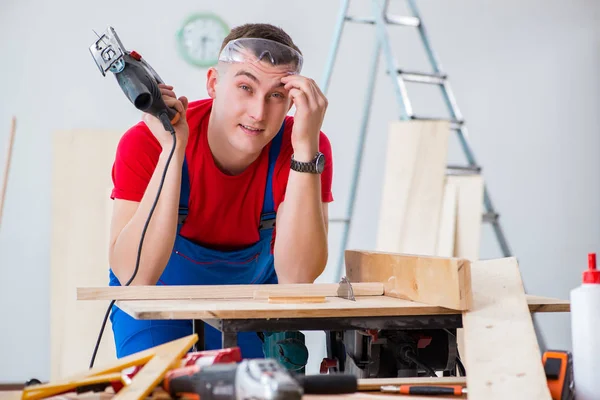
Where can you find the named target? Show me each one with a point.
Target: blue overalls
(192, 264)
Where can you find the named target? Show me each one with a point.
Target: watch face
(320, 163)
(199, 39)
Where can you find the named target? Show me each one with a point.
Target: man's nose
(258, 109)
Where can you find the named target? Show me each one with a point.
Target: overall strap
(268, 215)
(184, 194)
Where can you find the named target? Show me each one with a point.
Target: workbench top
(333, 307)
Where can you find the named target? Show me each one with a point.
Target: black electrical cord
(411, 356)
(461, 368)
(163, 117)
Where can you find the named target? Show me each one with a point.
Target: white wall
(524, 73)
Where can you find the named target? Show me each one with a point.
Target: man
(240, 167)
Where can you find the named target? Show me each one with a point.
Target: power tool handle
(141, 88)
(214, 383)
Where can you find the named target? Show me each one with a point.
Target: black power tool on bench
(135, 76)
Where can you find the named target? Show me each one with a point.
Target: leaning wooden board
(364, 306)
(502, 356)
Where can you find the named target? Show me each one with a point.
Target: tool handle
(142, 90)
(328, 383)
(432, 390)
(216, 382)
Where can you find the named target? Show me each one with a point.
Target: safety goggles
(257, 51)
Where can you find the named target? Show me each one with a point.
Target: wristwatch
(315, 166)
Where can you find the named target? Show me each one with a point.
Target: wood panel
(447, 230)
(364, 306)
(81, 208)
(468, 215)
(444, 282)
(222, 291)
(413, 187)
(502, 359)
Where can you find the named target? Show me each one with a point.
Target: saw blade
(345, 289)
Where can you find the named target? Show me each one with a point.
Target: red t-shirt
(224, 210)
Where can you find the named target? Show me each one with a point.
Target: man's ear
(211, 82)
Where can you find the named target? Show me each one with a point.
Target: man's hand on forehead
(311, 105)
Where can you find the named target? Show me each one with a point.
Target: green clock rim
(182, 52)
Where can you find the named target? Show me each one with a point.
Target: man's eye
(245, 87)
(278, 95)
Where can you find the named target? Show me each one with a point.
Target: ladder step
(422, 77)
(390, 19)
(344, 220)
(490, 217)
(464, 168)
(454, 123)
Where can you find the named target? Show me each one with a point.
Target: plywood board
(81, 210)
(222, 291)
(364, 306)
(440, 281)
(413, 187)
(447, 229)
(502, 357)
(469, 215)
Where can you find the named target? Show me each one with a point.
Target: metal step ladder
(381, 18)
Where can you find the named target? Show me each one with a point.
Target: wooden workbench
(333, 307)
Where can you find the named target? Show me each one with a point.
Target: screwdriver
(425, 390)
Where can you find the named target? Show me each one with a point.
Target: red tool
(455, 390)
(197, 358)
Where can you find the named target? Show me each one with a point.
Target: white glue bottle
(585, 331)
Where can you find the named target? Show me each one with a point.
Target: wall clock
(199, 39)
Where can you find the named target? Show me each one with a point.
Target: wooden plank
(547, 304)
(156, 361)
(447, 229)
(413, 187)
(81, 213)
(468, 217)
(317, 289)
(296, 299)
(364, 306)
(502, 354)
(166, 357)
(222, 291)
(444, 282)
(376, 383)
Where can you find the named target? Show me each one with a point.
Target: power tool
(252, 379)
(138, 80)
(391, 353)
